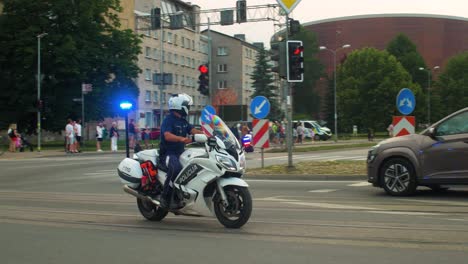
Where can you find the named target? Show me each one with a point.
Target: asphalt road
(72, 210)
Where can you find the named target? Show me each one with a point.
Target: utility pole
(289, 107)
(39, 80)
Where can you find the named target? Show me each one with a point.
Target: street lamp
(39, 80)
(126, 106)
(429, 71)
(334, 85)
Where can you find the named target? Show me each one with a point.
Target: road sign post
(261, 133)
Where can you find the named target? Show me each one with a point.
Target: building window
(155, 35)
(176, 59)
(222, 67)
(187, 62)
(148, 74)
(169, 37)
(182, 42)
(147, 52)
(222, 84)
(155, 97)
(182, 60)
(188, 44)
(164, 35)
(193, 44)
(222, 51)
(148, 96)
(169, 57)
(176, 79)
(175, 39)
(155, 54)
(164, 98)
(182, 80)
(163, 56)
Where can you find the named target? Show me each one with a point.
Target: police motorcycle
(210, 182)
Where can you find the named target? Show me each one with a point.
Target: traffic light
(295, 61)
(294, 27)
(241, 11)
(203, 80)
(278, 55)
(156, 18)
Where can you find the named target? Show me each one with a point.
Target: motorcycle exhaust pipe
(139, 195)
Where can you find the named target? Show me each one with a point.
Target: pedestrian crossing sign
(288, 5)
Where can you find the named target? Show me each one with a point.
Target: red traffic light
(203, 69)
(298, 50)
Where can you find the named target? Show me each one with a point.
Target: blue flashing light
(126, 105)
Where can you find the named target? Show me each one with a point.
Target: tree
(84, 45)
(405, 51)
(369, 82)
(263, 84)
(306, 101)
(452, 86)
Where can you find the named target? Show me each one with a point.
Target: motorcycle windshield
(223, 132)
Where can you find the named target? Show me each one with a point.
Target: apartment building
(176, 52)
(233, 60)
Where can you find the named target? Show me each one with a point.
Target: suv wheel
(398, 177)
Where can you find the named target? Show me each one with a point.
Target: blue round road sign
(405, 102)
(260, 107)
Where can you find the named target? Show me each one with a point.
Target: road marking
(332, 206)
(275, 199)
(299, 181)
(437, 202)
(323, 191)
(360, 184)
(403, 213)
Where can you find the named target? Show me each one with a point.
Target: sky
(313, 10)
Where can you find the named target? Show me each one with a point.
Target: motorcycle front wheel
(151, 211)
(237, 213)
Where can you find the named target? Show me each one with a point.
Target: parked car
(155, 133)
(319, 132)
(437, 156)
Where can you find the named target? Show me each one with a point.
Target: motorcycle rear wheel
(239, 210)
(151, 211)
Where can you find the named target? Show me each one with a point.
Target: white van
(319, 132)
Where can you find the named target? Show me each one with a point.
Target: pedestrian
(99, 134)
(300, 133)
(78, 135)
(145, 135)
(294, 133)
(390, 130)
(114, 137)
(70, 136)
(131, 133)
(370, 134)
(12, 138)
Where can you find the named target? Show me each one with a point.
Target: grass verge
(323, 147)
(338, 167)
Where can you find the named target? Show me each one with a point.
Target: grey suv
(439, 155)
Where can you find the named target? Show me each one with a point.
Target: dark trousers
(174, 167)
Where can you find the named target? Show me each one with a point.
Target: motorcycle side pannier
(130, 172)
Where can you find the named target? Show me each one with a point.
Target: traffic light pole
(289, 108)
(161, 74)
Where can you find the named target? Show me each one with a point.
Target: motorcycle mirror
(200, 138)
(212, 142)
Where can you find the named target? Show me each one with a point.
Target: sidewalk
(56, 153)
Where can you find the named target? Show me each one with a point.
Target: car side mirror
(431, 132)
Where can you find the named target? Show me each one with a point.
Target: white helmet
(180, 103)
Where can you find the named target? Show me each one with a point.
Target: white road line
(403, 213)
(323, 191)
(360, 184)
(299, 181)
(332, 206)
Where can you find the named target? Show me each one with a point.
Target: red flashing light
(203, 69)
(298, 50)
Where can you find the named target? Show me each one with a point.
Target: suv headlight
(372, 153)
(228, 163)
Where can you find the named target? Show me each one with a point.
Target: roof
(240, 40)
(383, 16)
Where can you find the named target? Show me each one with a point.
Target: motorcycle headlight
(227, 163)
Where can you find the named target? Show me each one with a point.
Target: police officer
(174, 131)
